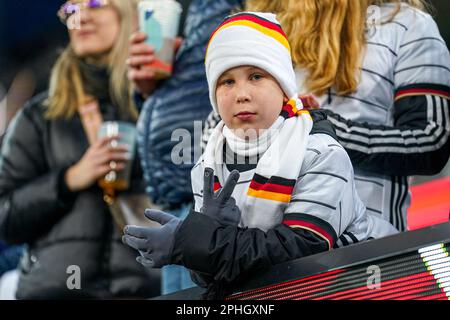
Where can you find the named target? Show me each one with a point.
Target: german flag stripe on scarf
(264, 26)
(423, 89)
(273, 188)
(290, 110)
(217, 185)
(313, 224)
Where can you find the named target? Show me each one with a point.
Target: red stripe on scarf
(289, 109)
(217, 185)
(271, 187)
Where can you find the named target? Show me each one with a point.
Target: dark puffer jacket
(176, 104)
(62, 228)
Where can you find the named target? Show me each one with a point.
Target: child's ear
(285, 99)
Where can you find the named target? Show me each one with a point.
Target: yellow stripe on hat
(268, 32)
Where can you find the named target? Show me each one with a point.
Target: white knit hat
(253, 39)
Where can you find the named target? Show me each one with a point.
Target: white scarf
(283, 148)
(256, 146)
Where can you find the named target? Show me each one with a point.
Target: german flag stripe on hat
(260, 24)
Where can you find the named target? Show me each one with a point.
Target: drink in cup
(159, 20)
(126, 132)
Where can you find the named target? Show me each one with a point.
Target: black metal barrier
(412, 265)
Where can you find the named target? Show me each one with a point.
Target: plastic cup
(126, 132)
(159, 20)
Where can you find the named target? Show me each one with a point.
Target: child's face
(249, 98)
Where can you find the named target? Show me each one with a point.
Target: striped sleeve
(229, 253)
(323, 184)
(417, 143)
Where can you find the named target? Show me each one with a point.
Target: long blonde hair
(66, 91)
(327, 37)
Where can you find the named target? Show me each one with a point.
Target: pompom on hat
(253, 39)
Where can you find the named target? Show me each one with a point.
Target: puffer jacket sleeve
(229, 253)
(32, 195)
(171, 120)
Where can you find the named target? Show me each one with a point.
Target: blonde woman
(382, 71)
(49, 167)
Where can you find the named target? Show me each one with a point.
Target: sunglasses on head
(72, 7)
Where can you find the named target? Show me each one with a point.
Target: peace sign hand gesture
(221, 206)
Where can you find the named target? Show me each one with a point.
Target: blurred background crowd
(32, 38)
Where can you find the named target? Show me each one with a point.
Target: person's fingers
(236, 211)
(141, 49)
(208, 184)
(119, 148)
(112, 147)
(177, 44)
(228, 188)
(159, 216)
(118, 158)
(303, 99)
(138, 61)
(138, 37)
(232, 202)
(146, 254)
(141, 74)
(137, 243)
(108, 157)
(103, 141)
(148, 263)
(309, 102)
(112, 155)
(104, 169)
(136, 231)
(106, 141)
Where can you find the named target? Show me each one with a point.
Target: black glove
(154, 244)
(222, 206)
